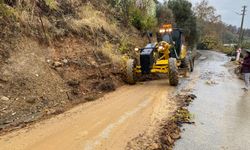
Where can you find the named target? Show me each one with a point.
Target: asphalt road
(221, 111)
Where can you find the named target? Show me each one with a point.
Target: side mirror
(149, 35)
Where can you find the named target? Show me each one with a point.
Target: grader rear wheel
(130, 71)
(192, 64)
(173, 72)
(187, 64)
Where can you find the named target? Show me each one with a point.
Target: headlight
(136, 49)
(162, 30)
(160, 48)
(169, 30)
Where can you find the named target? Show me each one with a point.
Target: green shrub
(52, 4)
(136, 19)
(208, 42)
(6, 11)
(142, 21)
(246, 45)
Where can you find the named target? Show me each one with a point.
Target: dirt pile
(168, 131)
(56, 55)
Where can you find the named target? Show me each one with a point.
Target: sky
(228, 8)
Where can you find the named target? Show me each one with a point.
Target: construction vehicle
(168, 55)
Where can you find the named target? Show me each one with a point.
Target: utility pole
(241, 27)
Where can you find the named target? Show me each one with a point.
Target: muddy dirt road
(108, 123)
(221, 111)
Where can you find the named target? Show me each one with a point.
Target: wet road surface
(221, 111)
(106, 124)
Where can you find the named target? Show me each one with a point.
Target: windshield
(166, 38)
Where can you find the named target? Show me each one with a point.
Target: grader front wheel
(173, 72)
(130, 71)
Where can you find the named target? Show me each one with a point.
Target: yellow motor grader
(167, 56)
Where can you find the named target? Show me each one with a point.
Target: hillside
(56, 54)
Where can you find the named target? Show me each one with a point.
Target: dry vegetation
(92, 19)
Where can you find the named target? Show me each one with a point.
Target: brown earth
(166, 132)
(53, 60)
(148, 109)
(108, 123)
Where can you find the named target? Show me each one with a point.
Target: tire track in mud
(106, 132)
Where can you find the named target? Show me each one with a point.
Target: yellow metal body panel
(161, 65)
(159, 69)
(138, 69)
(162, 62)
(155, 69)
(167, 26)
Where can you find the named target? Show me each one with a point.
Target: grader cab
(167, 56)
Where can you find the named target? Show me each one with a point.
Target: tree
(209, 23)
(140, 13)
(185, 19)
(212, 30)
(206, 12)
(125, 4)
(164, 14)
(143, 14)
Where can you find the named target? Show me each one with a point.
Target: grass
(109, 51)
(124, 47)
(52, 4)
(93, 19)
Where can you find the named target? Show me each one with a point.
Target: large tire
(173, 72)
(192, 65)
(130, 73)
(188, 64)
